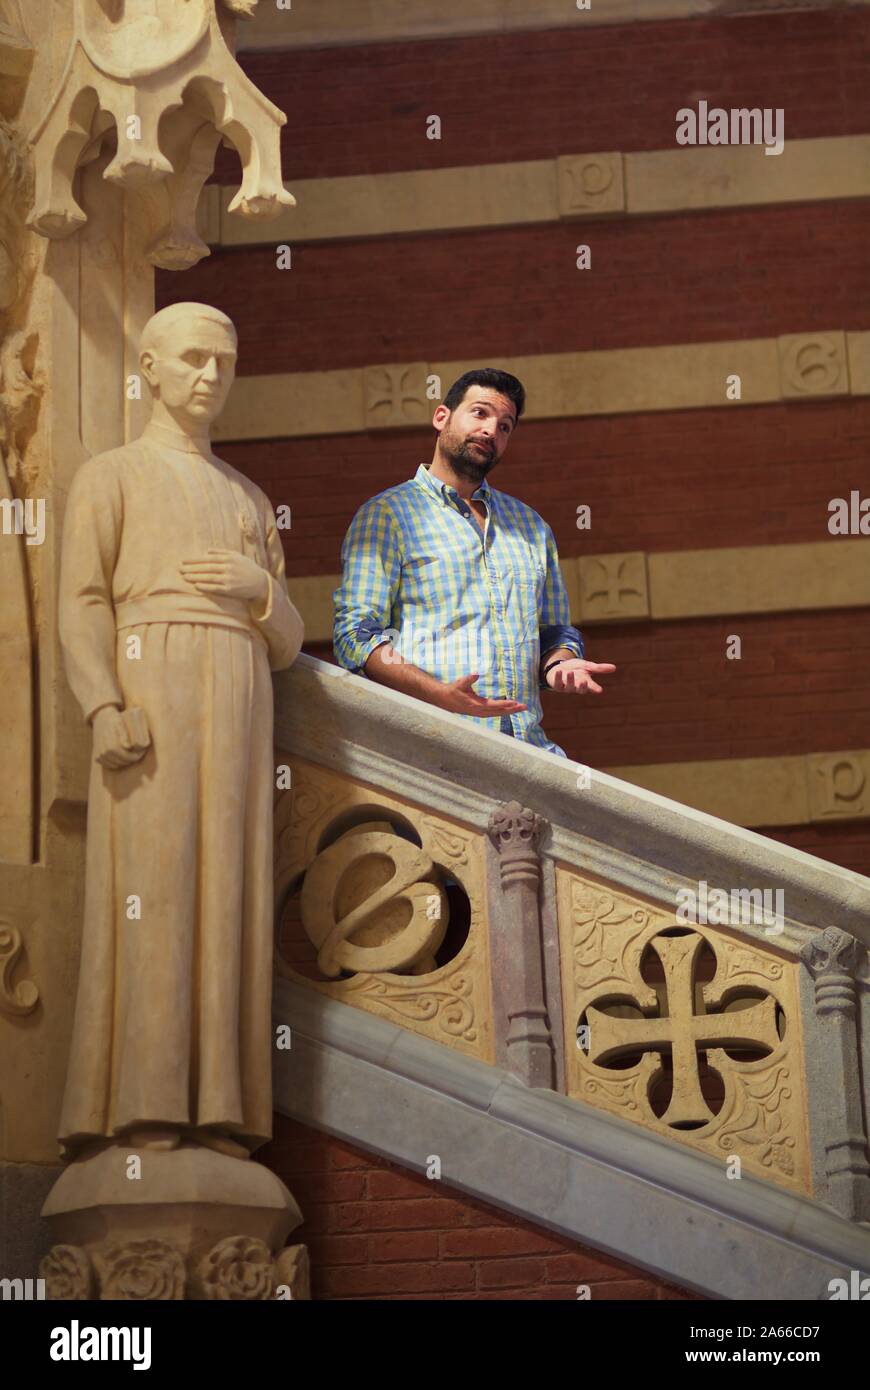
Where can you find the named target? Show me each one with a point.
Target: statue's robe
(173, 1016)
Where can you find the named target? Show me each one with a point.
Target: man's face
(476, 435)
(192, 368)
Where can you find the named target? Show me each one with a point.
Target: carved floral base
(238, 1268)
(187, 1223)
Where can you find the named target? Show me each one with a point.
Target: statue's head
(188, 357)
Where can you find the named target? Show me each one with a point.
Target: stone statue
(173, 610)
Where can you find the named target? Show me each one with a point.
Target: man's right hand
(459, 698)
(112, 745)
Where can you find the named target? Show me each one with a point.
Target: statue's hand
(229, 573)
(113, 745)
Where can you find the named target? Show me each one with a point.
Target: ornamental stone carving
(681, 1032)
(68, 1273)
(614, 587)
(20, 998)
(690, 1032)
(839, 785)
(395, 396)
(140, 1269)
(159, 78)
(813, 365)
(372, 906)
(411, 884)
(591, 185)
(237, 1269)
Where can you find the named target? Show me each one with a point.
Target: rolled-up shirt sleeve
(555, 616)
(371, 564)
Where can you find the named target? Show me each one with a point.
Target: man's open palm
(459, 698)
(576, 675)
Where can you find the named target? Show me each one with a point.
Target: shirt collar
(168, 438)
(483, 493)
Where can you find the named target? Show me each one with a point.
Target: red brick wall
(376, 1231)
(475, 295)
(529, 95)
(658, 481)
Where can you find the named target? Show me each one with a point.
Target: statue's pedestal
(183, 1223)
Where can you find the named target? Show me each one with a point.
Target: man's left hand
(575, 675)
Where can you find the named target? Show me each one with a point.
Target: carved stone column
(525, 1045)
(832, 959)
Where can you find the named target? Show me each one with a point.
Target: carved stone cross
(682, 1032)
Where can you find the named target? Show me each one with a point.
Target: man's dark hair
(503, 382)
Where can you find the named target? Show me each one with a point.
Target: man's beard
(465, 459)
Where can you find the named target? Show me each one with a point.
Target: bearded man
(447, 581)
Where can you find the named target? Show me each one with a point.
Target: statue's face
(192, 369)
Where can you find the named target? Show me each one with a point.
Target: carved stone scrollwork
(161, 76)
(412, 883)
(20, 999)
(399, 920)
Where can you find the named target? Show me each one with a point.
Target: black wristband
(551, 664)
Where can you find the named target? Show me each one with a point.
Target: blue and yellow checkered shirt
(418, 571)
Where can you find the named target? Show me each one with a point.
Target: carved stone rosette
(833, 959)
(375, 908)
(239, 1269)
(715, 1063)
(518, 977)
